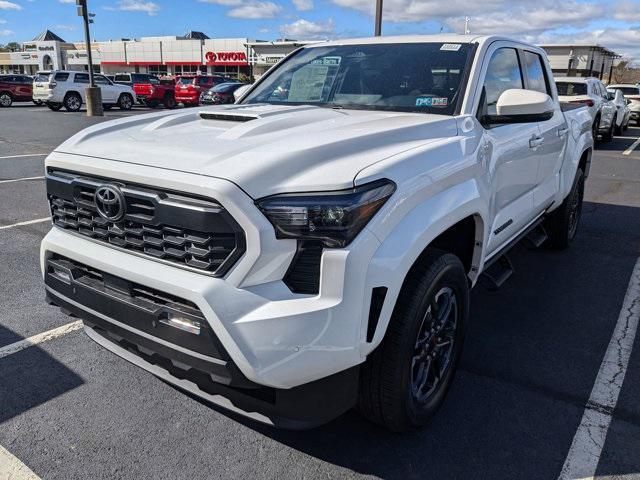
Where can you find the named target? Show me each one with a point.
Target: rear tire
(169, 102)
(406, 378)
(72, 102)
(6, 100)
(595, 129)
(562, 224)
(125, 102)
(37, 102)
(607, 137)
(54, 106)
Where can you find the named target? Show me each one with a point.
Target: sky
(614, 24)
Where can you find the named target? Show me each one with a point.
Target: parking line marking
(21, 179)
(25, 155)
(39, 338)
(632, 147)
(11, 468)
(586, 448)
(28, 222)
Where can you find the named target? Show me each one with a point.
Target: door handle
(562, 132)
(536, 142)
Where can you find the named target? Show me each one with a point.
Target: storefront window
(158, 70)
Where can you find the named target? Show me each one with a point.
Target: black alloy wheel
(434, 345)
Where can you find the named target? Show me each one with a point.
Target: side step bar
(498, 268)
(494, 276)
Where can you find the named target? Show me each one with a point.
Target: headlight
(335, 217)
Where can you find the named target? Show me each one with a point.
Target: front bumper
(127, 320)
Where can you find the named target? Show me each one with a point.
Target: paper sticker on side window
(431, 102)
(450, 47)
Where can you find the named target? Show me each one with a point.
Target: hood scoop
(227, 117)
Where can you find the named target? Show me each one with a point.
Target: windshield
(187, 80)
(571, 89)
(225, 87)
(409, 77)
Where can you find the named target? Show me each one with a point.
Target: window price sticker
(450, 47)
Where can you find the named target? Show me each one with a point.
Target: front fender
(402, 247)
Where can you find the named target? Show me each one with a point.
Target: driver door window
(503, 73)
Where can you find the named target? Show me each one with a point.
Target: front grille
(187, 231)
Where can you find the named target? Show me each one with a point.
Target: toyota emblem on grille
(110, 202)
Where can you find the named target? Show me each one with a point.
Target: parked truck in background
(311, 248)
(149, 90)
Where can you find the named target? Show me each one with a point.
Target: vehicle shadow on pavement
(532, 353)
(31, 377)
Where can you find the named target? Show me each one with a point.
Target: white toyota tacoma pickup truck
(311, 247)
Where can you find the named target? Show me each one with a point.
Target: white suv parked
(592, 93)
(632, 93)
(66, 89)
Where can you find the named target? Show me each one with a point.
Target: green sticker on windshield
(432, 101)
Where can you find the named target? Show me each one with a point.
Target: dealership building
(192, 53)
(581, 61)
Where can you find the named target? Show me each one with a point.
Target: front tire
(405, 380)
(562, 224)
(6, 100)
(72, 102)
(125, 102)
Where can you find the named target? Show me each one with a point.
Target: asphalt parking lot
(71, 410)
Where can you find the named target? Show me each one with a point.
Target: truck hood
(264, 149)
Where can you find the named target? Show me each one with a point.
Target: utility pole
(467, 30)
(93, 93)
(378, 30)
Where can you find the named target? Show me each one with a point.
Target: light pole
(378, 30)
(93, 93)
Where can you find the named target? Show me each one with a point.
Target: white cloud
(68, 28)
(255, 10)
(303, 5)
(6, 33)
(4, 5)
(67, 1)
(530, 19)
(2, 21)
(229, 3)
(306, 29)
(627, 11)
(420, 10)
(150, 8)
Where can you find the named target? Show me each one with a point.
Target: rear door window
(61, 77)
(122, 78)
(536, 73)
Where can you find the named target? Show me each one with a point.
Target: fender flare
(399, 251)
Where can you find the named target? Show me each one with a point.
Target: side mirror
(239, 93)
(517, 105)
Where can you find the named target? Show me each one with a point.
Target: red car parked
(149, 89)
(189, 87)
(15, 88)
